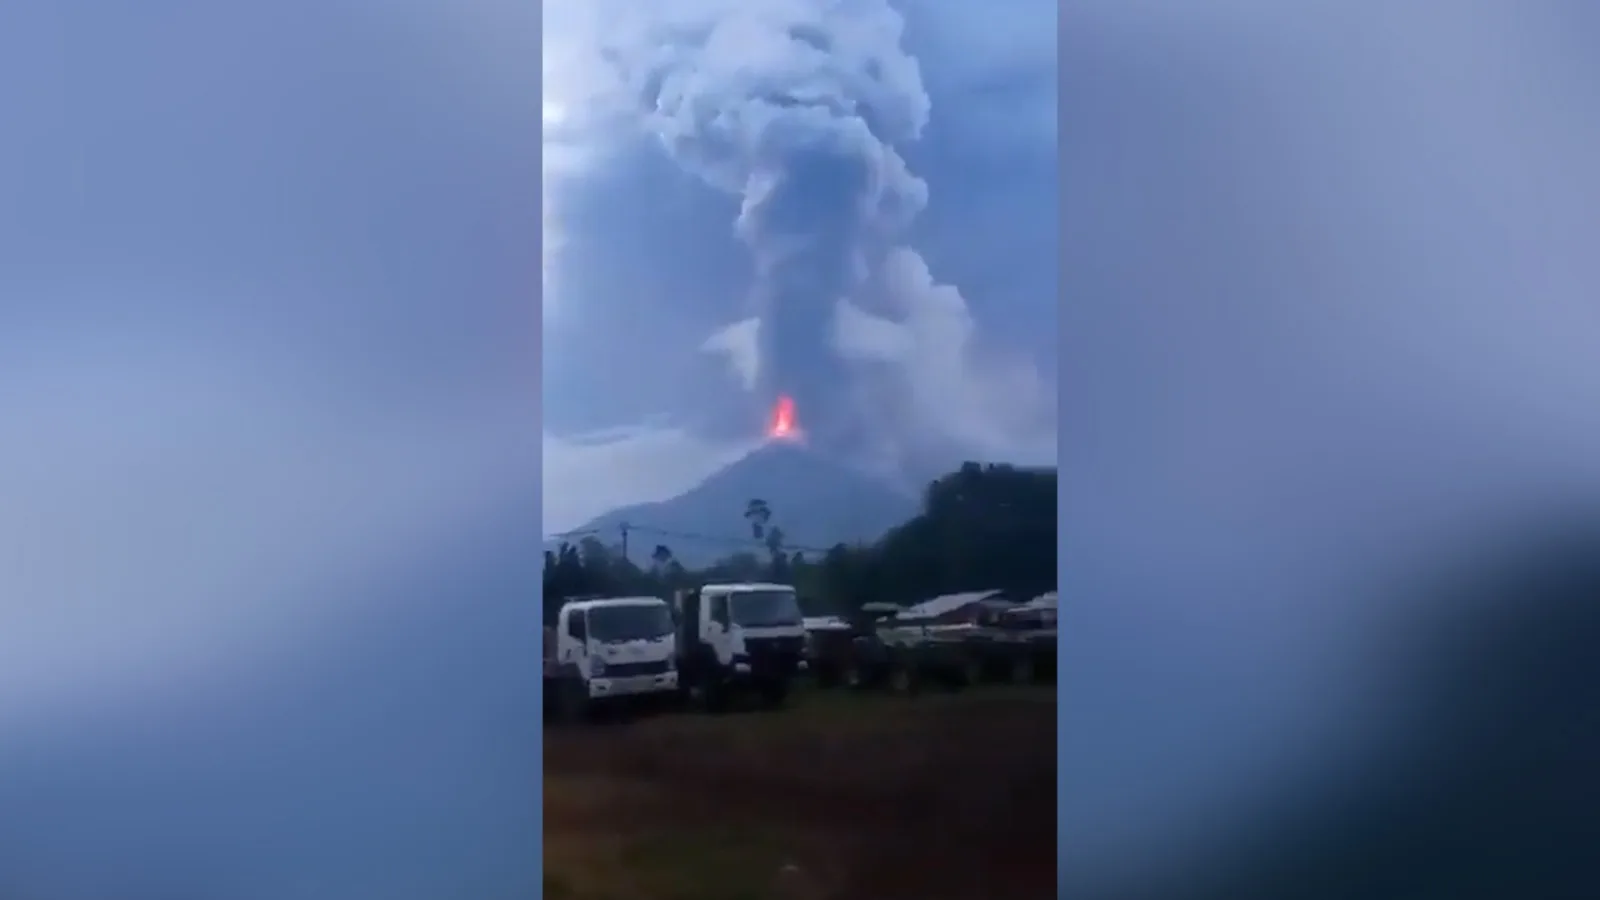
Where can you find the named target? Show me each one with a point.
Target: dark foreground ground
(837, 798)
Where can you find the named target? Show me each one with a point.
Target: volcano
(816, 501)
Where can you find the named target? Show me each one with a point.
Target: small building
(965, 608)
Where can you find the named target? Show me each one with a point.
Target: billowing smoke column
(795, 106)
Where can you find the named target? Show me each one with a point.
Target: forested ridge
(979, 527)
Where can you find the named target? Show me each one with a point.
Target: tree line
(979, 527)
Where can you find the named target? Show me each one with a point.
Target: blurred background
(1329, 420)
(269, 458)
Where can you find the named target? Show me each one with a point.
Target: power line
(747, 543)
(742, 541)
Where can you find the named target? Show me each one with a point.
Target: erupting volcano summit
(784, 426)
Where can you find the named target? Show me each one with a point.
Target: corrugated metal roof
(825, 623)
(944, 603)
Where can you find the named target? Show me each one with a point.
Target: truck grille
(784, 646)
(775, 654)
(635, 669)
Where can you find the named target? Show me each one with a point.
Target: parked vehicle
(609, 650)
(992, 638)
(1016, 644)
(737, 638)
(848, 652)
(882, 647)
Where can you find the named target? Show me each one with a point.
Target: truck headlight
(598, 667)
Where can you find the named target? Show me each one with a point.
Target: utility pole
(624, 540)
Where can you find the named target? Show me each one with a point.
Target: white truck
(740, 636)
(609, 649)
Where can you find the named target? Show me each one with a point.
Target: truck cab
(610, 648)
(740, 635)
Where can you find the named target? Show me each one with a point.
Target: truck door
(688, 623)
(719, 628)
(573, 640)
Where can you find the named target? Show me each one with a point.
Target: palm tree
(780, 562)
(758, 514)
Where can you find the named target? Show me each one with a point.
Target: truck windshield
(764, 609)
(630, 622)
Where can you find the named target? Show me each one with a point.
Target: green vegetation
(980, 527)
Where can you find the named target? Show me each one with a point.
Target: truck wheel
(572, 702)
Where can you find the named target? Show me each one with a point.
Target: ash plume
(796, 107)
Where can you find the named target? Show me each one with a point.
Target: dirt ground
(840, 797)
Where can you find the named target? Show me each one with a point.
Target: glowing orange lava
(783, 425)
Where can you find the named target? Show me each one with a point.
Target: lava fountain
(784, 426)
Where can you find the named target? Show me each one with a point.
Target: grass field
(839, 797)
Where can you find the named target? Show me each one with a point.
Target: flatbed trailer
(1016, 645)
(881, 650)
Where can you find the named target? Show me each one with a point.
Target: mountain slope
(816, 502)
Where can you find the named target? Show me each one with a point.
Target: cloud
(624, 466)
(946, 385)
(740, 343)
(581, 125)
(598, 464)
(669, 224)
